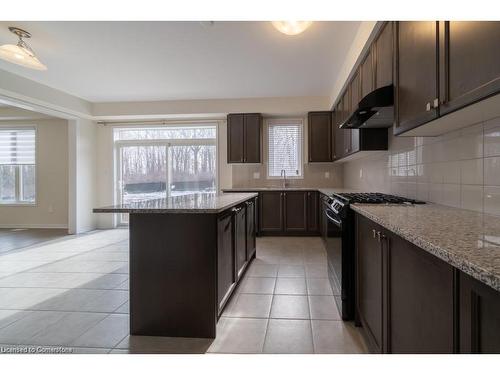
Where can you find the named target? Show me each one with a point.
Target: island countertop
(469, 241)
(197, 203)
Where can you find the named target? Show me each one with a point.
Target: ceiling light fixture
(291, 27)
(21, 53)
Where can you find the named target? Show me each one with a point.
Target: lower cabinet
(409, 301)
(225, 258)
(235, 248)
(479, 317)
(289, 213)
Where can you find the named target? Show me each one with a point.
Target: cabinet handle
(378, 236)
(428, 107)
(374, 233)
(436, 103)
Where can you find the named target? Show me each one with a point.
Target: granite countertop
(468, 240)
(198, 203)
(326, 191)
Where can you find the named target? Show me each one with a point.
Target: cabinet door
(338, 134)
(225, 258)
(367, 74)
(416, 74)
(240, 241)
(355, 91)
(251, 245)
(384, 57)
(369, 282)
(313, 217)
(271, 211)
(479, 317)
(252, 137)
(319, 127)
(235, 138)
(420, 290)
(295, 211)
(470, 63)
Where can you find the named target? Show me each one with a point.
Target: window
(17, 165)
(285, 148)
(165, 161)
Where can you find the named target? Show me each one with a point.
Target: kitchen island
(187, 254)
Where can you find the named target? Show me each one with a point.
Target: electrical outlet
(51, 209)
(360, 172)
(256, 175)
(327, 174)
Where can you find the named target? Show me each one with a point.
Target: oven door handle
(338, 222)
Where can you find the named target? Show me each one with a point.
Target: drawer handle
(374, 233)
(428, 107)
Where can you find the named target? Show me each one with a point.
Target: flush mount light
(291, 27)
(21, 53)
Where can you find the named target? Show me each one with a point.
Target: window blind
(17, 146)
(285, 149)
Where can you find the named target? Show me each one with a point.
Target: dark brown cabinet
(416, 99)
(405, 296)
(244, 137)
(369, 288)
(225, 259)
(320, 138)
(251, 229)
(367, 74)
(383, 48)
(313, 215)
(469, 63)
(295, 211)
(271, 212)
(290, 212)
(479, 312)
(240, 240)
(420, 300)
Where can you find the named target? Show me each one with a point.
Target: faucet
(283, 174)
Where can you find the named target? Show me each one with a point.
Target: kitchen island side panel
(173, 269)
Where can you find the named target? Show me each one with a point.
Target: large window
(17, 165)
(159, 162)
(285, 148)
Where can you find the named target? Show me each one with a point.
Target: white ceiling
(146, 61)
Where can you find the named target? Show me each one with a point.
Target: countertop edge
(174, 210)
(471, 269)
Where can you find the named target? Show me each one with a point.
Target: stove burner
(377, 198)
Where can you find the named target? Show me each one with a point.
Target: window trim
(285, 121)
(18, 178)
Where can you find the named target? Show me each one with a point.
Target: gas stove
(375, 198)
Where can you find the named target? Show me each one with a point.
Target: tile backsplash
(459, 169)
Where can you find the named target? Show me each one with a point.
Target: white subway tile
(471, 172)
(492, 200)
(492, 137)
(472, 197)
(492, 171)
(451, 195)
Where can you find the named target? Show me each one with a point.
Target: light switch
(327, 174)
(256, 175)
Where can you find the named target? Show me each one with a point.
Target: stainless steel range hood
(375, 110)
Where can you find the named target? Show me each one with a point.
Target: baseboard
(33, 226)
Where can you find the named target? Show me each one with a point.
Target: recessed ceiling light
(21, 53)
(291, 27)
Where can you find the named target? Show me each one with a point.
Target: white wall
(51, 209)
(82, 142)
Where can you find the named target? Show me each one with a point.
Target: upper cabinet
(320, 139)
(382, 50)
(470, 68)
(244, 137)
(416, 98)
(442, 67)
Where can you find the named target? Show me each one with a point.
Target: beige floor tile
(291, 285)
(288, 336)
(323, 307)
(290, 307)
(336, 337)
(319, 287)
(257, 285)
(8, 317)
(27, 298)
(288, 270)
(249, 306)
(106, 334)
(123, 309)
(239, 335)
(263, 270)
(316, 270)
(166, 345)
(22, 330)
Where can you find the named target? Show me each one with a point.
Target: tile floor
(73, 293)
